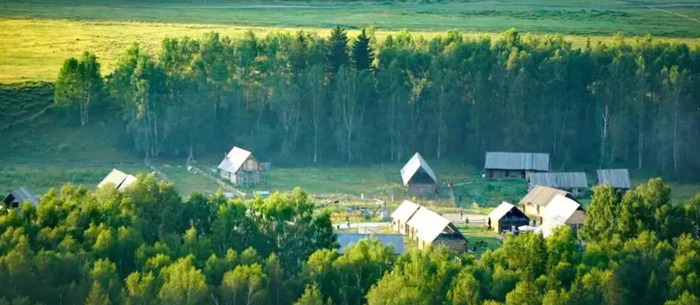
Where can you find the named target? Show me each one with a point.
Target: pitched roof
(560, 208)
(234, 159)
(548, 227)
(413, 165)
(542, 195)
(517, 161)
(617, 178)
(120, 179)
(20, 195)
(405, 211)
(560, 180)
(429, 225)
(501, 210)
(396, 240)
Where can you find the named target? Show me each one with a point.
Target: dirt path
(673, 13)
(27, 119)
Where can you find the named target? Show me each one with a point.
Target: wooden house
(428, 228)
(400, 217)
(619, 179)
(575, 183)
(240, 167)
(418, 178)
(535, 202)
(18, 196)
(560, 211)
(119, 179)
(506, 217)
(515, 165)
(395, 240)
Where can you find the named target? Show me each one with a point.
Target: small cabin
(119, 179)
(562, 210)
(428, 228)
(418, 178)
(506, 218)
(400, 217)
(537, 200)
(514, 165)
(575, 183)
(240, 167)
(18, 196)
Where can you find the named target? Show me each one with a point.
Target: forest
(298, 98)
(146, 245)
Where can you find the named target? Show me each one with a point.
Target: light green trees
(79, 85)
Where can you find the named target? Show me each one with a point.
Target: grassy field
(36, 37)
(476, 234)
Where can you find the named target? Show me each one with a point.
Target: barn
(619, 178)
(401, 216)
(428, 228)
(418, 178)
(514, 165)
(240, 167)
(537, 200)
(18, 196)
(119, 179)
(575, 183)
(506, 217)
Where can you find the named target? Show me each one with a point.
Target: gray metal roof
(501, 210)
(412, 166)
(517, 161)
(20, 195)
(234, 159)
(396, 240)
(560, 180)
(617, 178)
(560, 209)
(542, 195)
(404, 212)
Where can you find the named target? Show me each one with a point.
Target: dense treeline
(148, 246)
(311, 99)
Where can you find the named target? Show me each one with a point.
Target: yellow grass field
(34, 49)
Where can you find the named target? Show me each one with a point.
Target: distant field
(35, 38)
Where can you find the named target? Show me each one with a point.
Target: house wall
(250, 165)
(399, 226)
(421, 189)
(533, 211)
(505, 224)
(246, 177)
(502, 173)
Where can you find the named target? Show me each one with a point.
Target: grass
(36, 37)
(476, 234)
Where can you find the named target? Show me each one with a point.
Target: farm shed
(574, 182)
(402, 215)
(418, 178)
(428, 228)
(619, 179)
(120, 180)
(535, 202)
(506, 217)
(515, 165)
(240, 167)
(395, 240)
(562, 210)
(16, 197)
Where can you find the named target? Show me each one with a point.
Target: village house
(506, 217)
(561, 211)
(119, 179)
(535, 202)
(18, 196)
(575, 183)
(428, 228)
(514, 165)
(619, 179)
(240, 167)
(400, 217)
(418, 178)
(395, 240)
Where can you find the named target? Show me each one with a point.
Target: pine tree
(337, 50)
(97, 296)
(361, 52)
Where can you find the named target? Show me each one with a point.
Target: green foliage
(79, 85)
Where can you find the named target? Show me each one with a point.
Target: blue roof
(345, 239)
